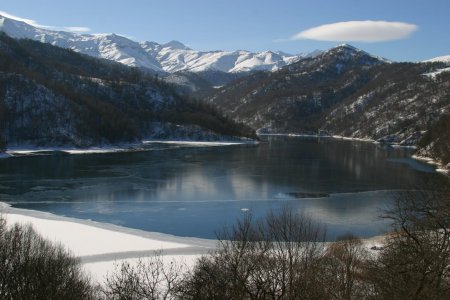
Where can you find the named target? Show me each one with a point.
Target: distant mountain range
(169, 57)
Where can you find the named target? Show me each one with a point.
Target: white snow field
(102, 246)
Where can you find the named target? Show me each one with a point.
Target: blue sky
(253, 25)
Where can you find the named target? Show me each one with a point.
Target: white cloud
(75, 29)
(36, 24)
(358, 31)
(28, 21)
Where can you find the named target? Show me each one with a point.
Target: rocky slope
(54, 96)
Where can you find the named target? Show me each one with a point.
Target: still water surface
(193, 191)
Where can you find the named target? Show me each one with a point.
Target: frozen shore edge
(131, 147)
(6, 208)
(102, 246)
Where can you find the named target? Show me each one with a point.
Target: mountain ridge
(347, 92)
(169, 57)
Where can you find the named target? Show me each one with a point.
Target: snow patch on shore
(26, 151)
(439, 167)
(85, 240)
(200, 143)
(102, 246)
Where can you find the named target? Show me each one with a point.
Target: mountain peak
(344, 51)
(175, 45)
(347, 51)
(348, 46)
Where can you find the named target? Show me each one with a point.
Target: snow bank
(23, 151)
(31, 150)
(101, 246)
(199, 143)
(85, 240)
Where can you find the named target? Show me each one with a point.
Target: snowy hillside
(445, 59)
(170, 57)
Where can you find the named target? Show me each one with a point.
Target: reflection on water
(194, 191)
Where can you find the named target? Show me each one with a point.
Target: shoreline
(439, 167)
(6, 208)
(101, 247)
(18, 151)
(185, 242)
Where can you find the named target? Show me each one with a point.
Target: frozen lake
(195, 190)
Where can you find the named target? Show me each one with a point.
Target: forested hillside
(347, 92)
(54, 96)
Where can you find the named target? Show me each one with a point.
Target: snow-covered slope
(440, 59)
(445, 59)
(169, 57)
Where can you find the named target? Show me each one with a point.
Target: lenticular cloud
(75, 29)
(358, 31)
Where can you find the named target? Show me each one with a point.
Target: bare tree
(416, 261)
(298, 245)
(344, 269)
(149, 278)
(277, 257)
(33, 268)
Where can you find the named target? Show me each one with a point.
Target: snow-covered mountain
(445, 59)
(170, 57)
